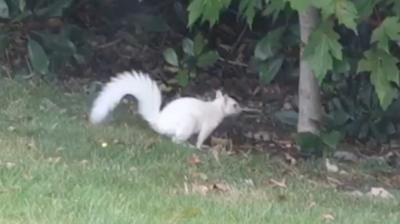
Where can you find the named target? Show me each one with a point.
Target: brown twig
(241, 64)
(248, 109)
(109, 44)
(240, 37)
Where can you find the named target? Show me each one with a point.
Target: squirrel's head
(229, 105)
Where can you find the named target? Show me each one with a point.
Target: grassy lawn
(56, 168)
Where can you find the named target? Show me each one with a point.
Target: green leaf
(263, 49)
(269, 69)
(322, 47)
(344, 10)
(268, 46)
(4, 11)
(206, 10)
(287, 117)
(195, 11)
(299, 5)
(59, 43)
(310, 143)
(390, 128)
(188, 46)
(79, 58)
(365, 7)
(332, 138)
(339, 116)
(199, 44)
(213, 10)
(363, 131)
(248, 9)
(273, 8)
(340, 67)
(55, 9)
(396, 7)
(383, 70)
(22, 5)
(4, 41)
(38, 57)
(171, 57)
(207, 59)
(327, 7)
(182, 77)
(22, 16)
(388, 30)
(347, 14)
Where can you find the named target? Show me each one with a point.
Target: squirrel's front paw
(190, 146)
(186, 144)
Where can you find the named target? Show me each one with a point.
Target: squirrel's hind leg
(183, 133)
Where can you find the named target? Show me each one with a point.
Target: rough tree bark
(309, 92)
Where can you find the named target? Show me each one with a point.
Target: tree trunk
(309, 98)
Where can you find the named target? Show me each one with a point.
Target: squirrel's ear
(219, 94)
(226, 98)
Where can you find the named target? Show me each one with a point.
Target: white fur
(179, 119)
(133, 83)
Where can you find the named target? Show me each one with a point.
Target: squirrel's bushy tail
(140, 85)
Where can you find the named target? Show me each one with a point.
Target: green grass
(54, 169)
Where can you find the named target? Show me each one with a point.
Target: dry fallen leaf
(345, 156)
(379, 192)
(199, 188)
(221, 187)
(311, 205)
(133, 169)
(221, 144)
(328, 217)
(394, 181)
(259, 135)
(281, 184)
(84, 162)
(215, 153)
(165, 88)
(334, 181)
(116, 141)
(249, 182)
(32, 144)
(54, 159)
(185, 186)
(193, 160)
(10, 165)
(331, 167)
(290, 159)
(219, 141)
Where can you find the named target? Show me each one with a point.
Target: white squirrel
(179, 119)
